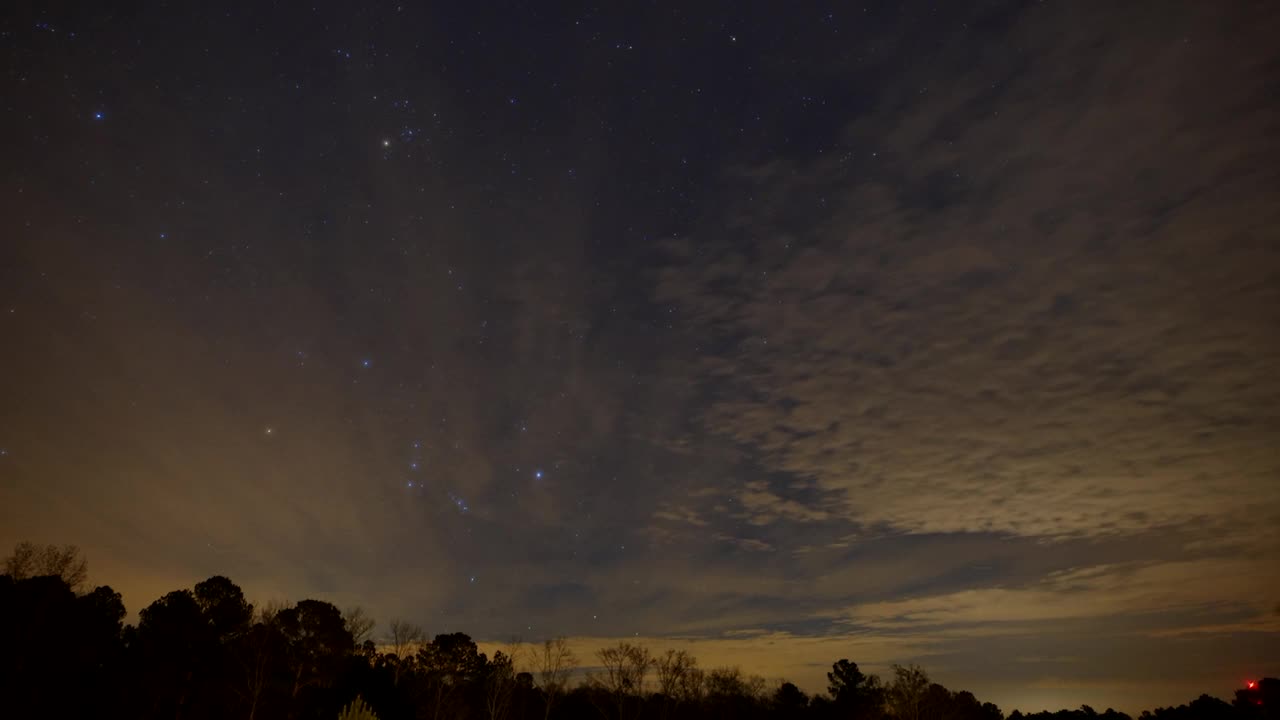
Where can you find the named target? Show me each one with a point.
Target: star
(460, 503)
(269, 431)
(386, 143)
(537, 474)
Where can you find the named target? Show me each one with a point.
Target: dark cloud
(1032, 295)
(1076, 340)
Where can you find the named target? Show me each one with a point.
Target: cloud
(1038, 298)
(1213, 585)
(746, 543)
(762, 506)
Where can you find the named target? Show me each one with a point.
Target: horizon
(741, 653)
(945, 334)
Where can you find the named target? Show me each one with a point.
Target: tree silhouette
(789, 700)
(680, 681)
(258, 653)
(206, 653)
(316, 643)
(173, 646)
(358, 623)
(853, 694)
(552, 661)
(499, 685)
(731, 694)
(449, 664)
(30, 560)
(223, 605)
(1260, 700)
(906, 694)
(623, 671)
(49, 636)
(405, 638)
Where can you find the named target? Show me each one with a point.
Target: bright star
(537, 474)
(386, 143)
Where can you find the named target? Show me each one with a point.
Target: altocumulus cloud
(1038, 298)
(1024, 312)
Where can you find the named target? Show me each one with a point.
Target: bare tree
(674, 670)
(757, 686)
(624, 667)
(405, 639)
(679, 679)
(30, 560)
(694, 687)
(729, 681)
(553, 662)
(906, 693)
(358, 623)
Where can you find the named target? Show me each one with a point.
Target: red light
(1252, 684)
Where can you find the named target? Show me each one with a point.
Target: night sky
(942, 332)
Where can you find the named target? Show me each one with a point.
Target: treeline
(206, 652)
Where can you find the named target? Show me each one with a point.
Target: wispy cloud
(1108, 591)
